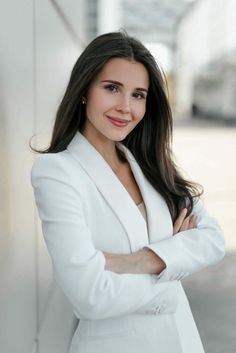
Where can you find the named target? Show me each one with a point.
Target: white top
(142, 209)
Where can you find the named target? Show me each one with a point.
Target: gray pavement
(206, 151)
(212, 297)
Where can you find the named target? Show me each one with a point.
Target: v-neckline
(111, 188)
(159, 224)
(134, 180)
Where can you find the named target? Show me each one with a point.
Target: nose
(124, 105)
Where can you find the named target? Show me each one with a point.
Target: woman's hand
(183, 223)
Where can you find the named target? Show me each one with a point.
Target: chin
(119, 136)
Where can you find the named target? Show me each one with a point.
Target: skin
(120, 91)
(124, 100)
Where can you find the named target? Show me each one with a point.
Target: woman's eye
(112, 88)
(139, 95)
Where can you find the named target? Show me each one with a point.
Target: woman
(111, 198)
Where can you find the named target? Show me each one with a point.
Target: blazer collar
(158, 217)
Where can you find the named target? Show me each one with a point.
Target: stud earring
(84, 101)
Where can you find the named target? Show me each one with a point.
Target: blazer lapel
(159, 220)
(112, 190)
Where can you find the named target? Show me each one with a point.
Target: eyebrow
(120, 84)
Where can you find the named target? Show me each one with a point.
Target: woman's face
(116, 100)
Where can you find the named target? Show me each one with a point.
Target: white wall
(39, 43)
(109, 16)
(206, 34)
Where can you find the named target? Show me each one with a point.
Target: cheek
(139, 111)
(97, 103)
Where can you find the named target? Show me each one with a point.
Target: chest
(126, 177)
(110, 209)
(107, 229)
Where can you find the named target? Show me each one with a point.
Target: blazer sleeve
(79, 268)
(191, 250)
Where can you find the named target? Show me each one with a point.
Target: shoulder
(50, 160)
(61, 166)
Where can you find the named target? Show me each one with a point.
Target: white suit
(85, 210)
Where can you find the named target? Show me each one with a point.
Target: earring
(84, 101)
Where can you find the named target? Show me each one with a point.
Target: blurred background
(195, 44)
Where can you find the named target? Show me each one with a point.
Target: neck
(107, 148)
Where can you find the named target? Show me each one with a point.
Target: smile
(118, 122)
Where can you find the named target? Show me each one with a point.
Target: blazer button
(179, 276)
(182, 275)
(158, 309)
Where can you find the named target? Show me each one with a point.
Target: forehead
(125, 71)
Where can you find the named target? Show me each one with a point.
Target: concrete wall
(40, 40)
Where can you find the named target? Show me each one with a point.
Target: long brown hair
(150, 141)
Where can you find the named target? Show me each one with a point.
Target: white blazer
(85, 210)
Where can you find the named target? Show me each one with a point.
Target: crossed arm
(147, 261)
(81, 270)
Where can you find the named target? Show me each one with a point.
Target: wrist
(151, 263)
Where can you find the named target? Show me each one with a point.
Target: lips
(118, 121)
